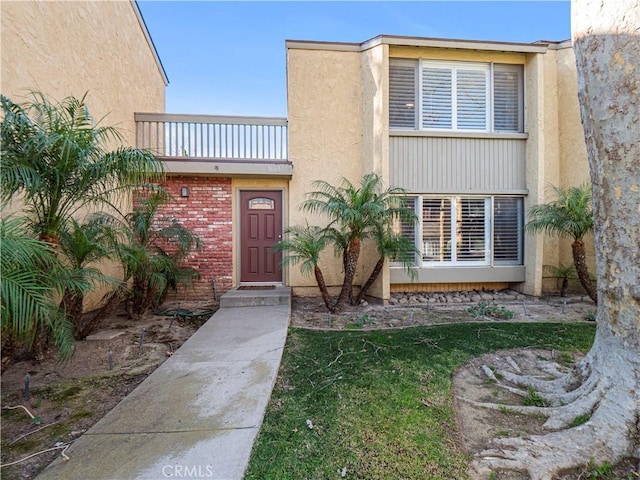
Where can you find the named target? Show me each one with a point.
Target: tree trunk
(114, 299)
(372, 278)
(580, 262)
(73, 303)
(353, 253)
(607, 48)
(323, 288)
(564, 287)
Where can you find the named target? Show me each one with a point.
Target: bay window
(455, 96)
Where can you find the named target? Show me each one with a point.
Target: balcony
(216, 145)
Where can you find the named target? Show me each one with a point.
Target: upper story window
(455, 96)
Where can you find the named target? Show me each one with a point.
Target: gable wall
(70, 48)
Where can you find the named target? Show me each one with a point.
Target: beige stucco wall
(556, 155)
(324, 95)
(375, 146)
(71, 48)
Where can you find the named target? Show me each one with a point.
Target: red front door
(260, 229)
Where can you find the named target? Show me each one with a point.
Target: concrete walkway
(199, 413)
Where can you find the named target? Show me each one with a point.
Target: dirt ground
(67, 399)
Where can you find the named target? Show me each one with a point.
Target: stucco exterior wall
(324, 94)
(70, 48)
(550, 156)
(375, 146)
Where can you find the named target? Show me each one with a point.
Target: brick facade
(207, 212)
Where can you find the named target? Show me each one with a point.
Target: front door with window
(260, 229)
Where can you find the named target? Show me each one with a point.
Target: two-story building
(474, 131)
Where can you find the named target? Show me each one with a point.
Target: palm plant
(54, 155)
(394, 246)
(150, 248)
(563, 272)
(570, 216)
(83, 245)
(303, 246)
(354, 214)
(31, 277)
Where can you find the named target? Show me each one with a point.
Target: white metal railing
(212, 136)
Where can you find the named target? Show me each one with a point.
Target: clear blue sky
(228, 58)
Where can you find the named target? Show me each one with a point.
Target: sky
(229, 58)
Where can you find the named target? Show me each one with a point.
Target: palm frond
(569, 215)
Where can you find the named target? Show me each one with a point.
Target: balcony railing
(213, 137)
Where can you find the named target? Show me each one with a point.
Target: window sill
(467, 274)
(450, 134)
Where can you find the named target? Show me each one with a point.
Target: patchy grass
(378, 405)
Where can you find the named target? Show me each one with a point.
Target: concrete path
(198, 414)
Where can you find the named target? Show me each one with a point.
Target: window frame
(489, 68)
(489, 219)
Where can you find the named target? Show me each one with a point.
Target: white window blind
(507, 230)
(471, 99)
(466, 231)
(471, 230)
(436, 230)
(507, 103)
(454, 96)
(402, 93)
(437, 101)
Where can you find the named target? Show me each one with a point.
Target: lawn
(378, 405)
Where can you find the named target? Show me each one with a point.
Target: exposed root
(563, 384)
(551, 391)
(607, 401)
(542, 456)
(557, 417)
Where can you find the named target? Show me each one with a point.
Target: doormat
(256, 287)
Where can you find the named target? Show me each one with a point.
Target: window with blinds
(466, 230)
(437, 230)
(507, 98)
(471, 99)
(507, 230)
(407, 229)
(402, 94)
(459, 96)
(437, 102)
(471, 244)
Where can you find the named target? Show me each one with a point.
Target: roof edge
(147, 36)
(536, 47)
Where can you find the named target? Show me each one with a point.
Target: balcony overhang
(226, 168)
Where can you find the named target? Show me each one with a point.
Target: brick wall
(207, 213)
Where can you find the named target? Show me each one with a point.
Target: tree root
(607, 397)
